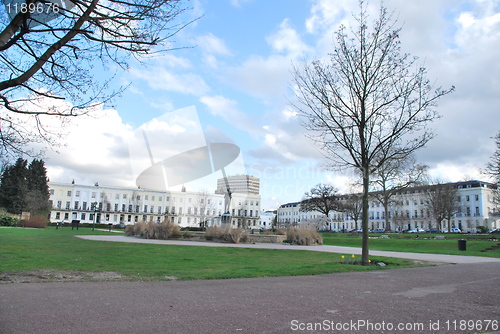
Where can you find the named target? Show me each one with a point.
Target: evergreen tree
(14, 187)
(37, 198)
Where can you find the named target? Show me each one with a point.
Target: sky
(229, 81)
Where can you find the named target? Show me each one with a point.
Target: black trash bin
(462, 245)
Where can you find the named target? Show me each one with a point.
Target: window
(69, 193)
(76, 206)
(467, 198)
(124, 196)
(116, 206)
(145, 208)
(58, 215)
(77, 193)
(84, 206)
(146, 197)
(476, 197)
(117, 196)
(52, 191)
(93, 194)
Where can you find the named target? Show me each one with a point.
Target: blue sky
(235, 71)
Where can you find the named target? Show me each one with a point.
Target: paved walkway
(331, 249)
(458, 298)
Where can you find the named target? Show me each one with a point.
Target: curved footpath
(447, 298)
(455, 259)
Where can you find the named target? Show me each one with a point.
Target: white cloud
(95, 150)
(163, 79)
(266, 78)
(228, 110)
(209, 43)
(211, 47)
(287, 40)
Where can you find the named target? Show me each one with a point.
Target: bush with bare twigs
(152, 230)
(303, 235)
(226, 234)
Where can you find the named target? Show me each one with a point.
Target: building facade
(242, 184)
(128, 205)
(267, 219)
(409, 209)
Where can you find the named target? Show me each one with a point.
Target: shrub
(152, 230)
(213, 232)
(35, 222)
(6, 220)
(280, 231)
(482, 229)
(303, 235)
(227, 234)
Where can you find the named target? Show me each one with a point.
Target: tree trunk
(386, 213)
(364, 250)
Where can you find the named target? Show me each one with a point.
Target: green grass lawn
(24, 250)
(423, 244)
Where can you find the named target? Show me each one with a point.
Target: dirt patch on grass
(59, 276)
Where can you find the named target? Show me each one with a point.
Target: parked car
(432, 230)
(454, 230)
(416, 230)
(495, 231)
(378, 230)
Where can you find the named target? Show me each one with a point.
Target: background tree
(443, 202)
(493, 166)
(493, 171)
(37, 196)
(393, 177)
(322, 198)
(14, 187)
(352, 206)
(48, 51)
(369, 104)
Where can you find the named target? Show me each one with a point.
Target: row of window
(153, 197)
(147, 209)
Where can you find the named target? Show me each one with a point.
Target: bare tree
(352, 207)
(400, 216)
(369, 105)
(322, 198)
(493, 166)
(493, 171)
(48, 50)
(203, 206)
(443, 202)
(393, 177)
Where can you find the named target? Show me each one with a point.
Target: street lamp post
(95, 215)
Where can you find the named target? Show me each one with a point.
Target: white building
(409, 209)
(267, 219)
(127, 205)
(243, 184)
